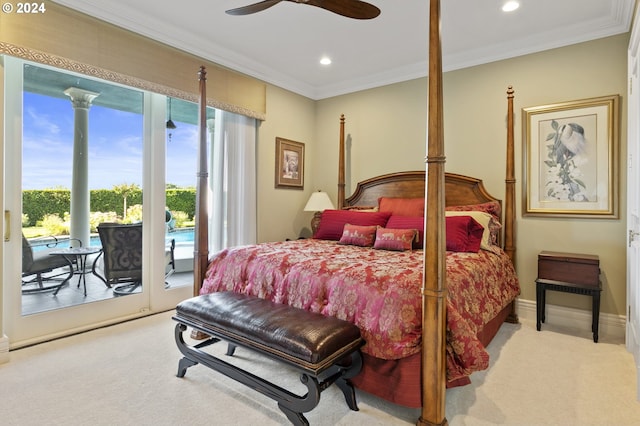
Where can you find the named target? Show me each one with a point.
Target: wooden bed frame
(440, 189)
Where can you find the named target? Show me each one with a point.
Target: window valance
(71, 40)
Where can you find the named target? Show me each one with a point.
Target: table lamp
(318, 202)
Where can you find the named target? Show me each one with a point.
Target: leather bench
(313, 344)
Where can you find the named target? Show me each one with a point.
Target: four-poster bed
(430, 352)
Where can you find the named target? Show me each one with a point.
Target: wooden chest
(582, 269)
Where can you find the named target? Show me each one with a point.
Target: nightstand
(570, 273)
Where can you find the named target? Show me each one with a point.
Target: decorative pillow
(394, 239)
(464, 233)
(493, 208)
(332, 222)
(483, 219)
(402, 206)
(409, 222)
(357, 235)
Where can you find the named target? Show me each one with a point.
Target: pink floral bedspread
(378, 290)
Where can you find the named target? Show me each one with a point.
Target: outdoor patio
(72, 293)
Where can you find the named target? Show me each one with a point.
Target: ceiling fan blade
(253, 8)
(350, 8)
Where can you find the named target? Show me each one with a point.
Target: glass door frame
(26, 330)
(154, 206)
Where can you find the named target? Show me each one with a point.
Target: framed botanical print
(571, 158)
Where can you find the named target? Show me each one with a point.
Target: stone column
(80, 228)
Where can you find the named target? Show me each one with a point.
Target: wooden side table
(570, 273)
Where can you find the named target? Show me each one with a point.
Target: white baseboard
(610, 325)
(4, 349)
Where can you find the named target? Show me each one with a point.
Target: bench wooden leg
(347, 373)
(343, 379)
(292, 405)
(183, 364)
(231, 349)
(294, 417)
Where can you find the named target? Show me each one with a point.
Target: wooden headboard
(459, 190)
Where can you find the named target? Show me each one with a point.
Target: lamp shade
(319, 201)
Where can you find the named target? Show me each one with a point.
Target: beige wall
(585, 70)
(316, 124)
(280, 214)
(387, 129)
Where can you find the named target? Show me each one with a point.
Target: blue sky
(115, 146)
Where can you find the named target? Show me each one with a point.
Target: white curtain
(232, 181)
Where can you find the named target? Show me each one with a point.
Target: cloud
(40, 122)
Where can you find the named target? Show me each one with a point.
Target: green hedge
(37, 203)
(182, 200)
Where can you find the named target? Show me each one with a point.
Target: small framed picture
(289, 164)
(571, 159)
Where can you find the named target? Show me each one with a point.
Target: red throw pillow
(357, 235)
(402, 206)
(394, 239)
(493, 208)
(332, 222)
(464, 234)
(409, 222)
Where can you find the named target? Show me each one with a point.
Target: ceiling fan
(350, 8)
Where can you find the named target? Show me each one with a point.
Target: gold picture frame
(289, 164)
(570, 159)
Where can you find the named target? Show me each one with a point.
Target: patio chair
(170, 259)
(122, 256)
(40, 267)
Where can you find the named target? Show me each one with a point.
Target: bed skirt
(398, 381)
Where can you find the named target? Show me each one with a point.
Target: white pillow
(483, 219)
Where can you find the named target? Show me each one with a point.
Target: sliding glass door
(81, 152)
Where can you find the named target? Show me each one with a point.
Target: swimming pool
(183, 237)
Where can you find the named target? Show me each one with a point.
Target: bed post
(201, 242)
(434, 290)
(510, 198)
(341, 165)
(510, 185)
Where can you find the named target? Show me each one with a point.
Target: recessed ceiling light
(510, 6)
(325, 60)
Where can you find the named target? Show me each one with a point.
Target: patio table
(81, 254)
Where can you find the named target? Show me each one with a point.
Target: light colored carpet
(125, 375)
